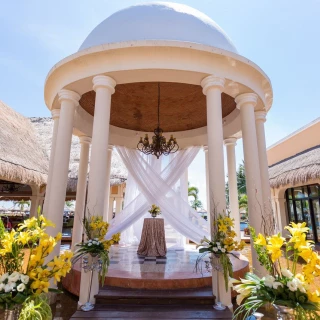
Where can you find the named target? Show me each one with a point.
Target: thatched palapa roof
(299, 168)
(21, 157)
(44, 128)
(25, 146)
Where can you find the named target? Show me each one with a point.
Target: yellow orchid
(314, 296)
(297, 228)
(40, 286)
(222, 228)
(274, 246)
(261, 240)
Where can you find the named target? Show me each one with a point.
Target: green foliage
(36, 308)
(263, 256)
(21, 204)
(193, 192)
(195, 203)
(241, 179)
(2, 229)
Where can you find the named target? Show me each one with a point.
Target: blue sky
(282, 37)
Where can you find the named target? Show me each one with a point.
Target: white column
(81, 191)
(212, 88)
(246, 103)
(104, 88)
(69, 100)
(55, 116)
(36, 201)
(230, 144)
(118, 204)
(205, 149)
(263, 160)
(111, 204)
(106, 215)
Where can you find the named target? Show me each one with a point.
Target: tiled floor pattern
(127, 259)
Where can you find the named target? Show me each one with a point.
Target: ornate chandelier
(159, 145)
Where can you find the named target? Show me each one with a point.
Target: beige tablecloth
(153, 242)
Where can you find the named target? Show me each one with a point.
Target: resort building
(294, 170)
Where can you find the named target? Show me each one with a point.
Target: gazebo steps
(168, 312)
(124, 296)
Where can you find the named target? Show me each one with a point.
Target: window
(304, 206)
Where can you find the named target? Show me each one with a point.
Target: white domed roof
(159, 21)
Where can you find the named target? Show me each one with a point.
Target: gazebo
(106, 94)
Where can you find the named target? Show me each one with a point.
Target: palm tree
(193, 192)
(241, 179)
(21, 204)
(69, 204)
(196, 204)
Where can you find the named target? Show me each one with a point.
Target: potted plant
(221, 246)
(286, 289)
(23, 280)
(154, 211)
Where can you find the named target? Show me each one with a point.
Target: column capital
(232, 141)
(104, 82)
(212, 82)
(246, 98)
(205, 148)
(55, 113)
(261, 116)
(73, 96)
(85, 139)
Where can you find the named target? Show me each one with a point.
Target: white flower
(24, 279)
(223, 250)
(219, 247)
(4, 277)
(269, 280)
(21, 287)
(292, 285)
(96, 239)
(215, 249)
(14, 276)
(277, 284)
(2, 285)
(218, 243)
(8, 287)
(90, 240)
(89, 244)
(286, 273)
(93, 242)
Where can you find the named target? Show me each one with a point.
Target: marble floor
(176, 261)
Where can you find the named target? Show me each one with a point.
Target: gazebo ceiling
(134, 106)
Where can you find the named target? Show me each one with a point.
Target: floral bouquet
(222, 244)
(95, 245)
(154, 210)
(284, 286)
(24, 274)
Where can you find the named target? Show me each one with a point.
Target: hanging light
(159, 145)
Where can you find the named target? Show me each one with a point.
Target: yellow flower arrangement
(222, 244)
(20, 279)
(96, 244)
(283, 286)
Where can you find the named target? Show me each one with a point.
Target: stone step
(167, 312)
(115, 295)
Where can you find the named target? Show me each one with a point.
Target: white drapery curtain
(158, 188)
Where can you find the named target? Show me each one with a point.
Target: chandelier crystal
(159, 145)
